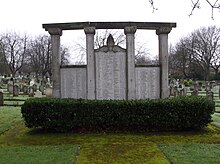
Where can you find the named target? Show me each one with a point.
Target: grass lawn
(192, 153)
(9, 116)
(38, 154)
(17, 141)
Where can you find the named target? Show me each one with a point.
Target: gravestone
(38, 94)
(16, 90)
(41, 88)
(25, 90)
(20, 87)
(1, 98)
(10, 88)
(176, 91)
(1, 81)
(48, 92)
(171, 90)
(35, 87)
(208, 86)
(210, 95)
(31, 91)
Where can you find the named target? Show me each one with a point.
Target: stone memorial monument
(110, 72)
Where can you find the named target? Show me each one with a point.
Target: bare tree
(213, 5)
(40, 55)
(14, 49)
(3, 65)
(206, 47)
(201, 49)
(195, 4)
(142, 55)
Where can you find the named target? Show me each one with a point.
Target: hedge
(65, 115)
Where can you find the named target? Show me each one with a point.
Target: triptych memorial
(111, 72)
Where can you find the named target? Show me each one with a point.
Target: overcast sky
(29, 15)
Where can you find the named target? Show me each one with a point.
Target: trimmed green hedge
(65, 115)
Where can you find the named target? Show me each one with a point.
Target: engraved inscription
(147, 82)
(110, 75)
(73, 83)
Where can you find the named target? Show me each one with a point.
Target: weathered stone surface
(10, 88)
(48, 92)
(110, 75)
(1, 98)
(73, 83)
(111, 81)
(16, 91)
(25, 90)
(38, 94)
(90, 31)
(147, 82)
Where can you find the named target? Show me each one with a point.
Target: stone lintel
(89, 30)
(163, 30)
(55, 31)
(109, 25)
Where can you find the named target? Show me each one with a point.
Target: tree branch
(152, 5)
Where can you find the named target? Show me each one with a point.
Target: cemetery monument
(110, 72)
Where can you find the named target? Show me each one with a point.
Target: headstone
(35, 87)
(10, 88)
(16, 90)
(219, 92)
(38, 94)
(176, 92)
(31, 91)
(208, 86)
(210, 95)
(20, 88)
(41, 88)
(48, 92)
(1, 81)
(1, 98)
(181, 93)
(171, 90)
(25, 90)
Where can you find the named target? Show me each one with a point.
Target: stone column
(56, 60)
(90, 32)
(162, 33)
(130, 61)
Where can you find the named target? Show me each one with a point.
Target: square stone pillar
(162, 33)
(90, 32)
(56, 60)
(130, 61)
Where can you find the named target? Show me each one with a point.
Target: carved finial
(110, 41)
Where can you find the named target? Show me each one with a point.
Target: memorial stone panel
(147, 82)
(73, 83)
(110, 75)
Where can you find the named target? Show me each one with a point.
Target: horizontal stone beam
(109, 25)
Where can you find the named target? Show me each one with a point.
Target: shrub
(190, 82)
(64, 115)
(186, 83)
